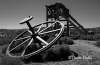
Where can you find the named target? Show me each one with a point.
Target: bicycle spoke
(50, 31)
(26, 47)
(21, 34)
(23, 38)
(19, 45)
(47, 27)
(29, 31)
(39, 28)
(43, 41)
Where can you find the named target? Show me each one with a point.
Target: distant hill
(7, 35)
(96, 30)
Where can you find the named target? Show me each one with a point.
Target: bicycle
(35, 39)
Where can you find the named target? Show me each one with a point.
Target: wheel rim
(24, 43)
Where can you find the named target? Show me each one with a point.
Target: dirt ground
(89, 54)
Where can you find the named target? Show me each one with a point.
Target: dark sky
(86, 12)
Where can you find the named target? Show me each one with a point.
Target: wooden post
(68, 30)
(46, 15)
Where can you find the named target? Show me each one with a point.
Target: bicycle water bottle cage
(27, 19)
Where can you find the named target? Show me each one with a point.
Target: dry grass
(71, 62)
(98, 44)
(82, 47)
(10, 61)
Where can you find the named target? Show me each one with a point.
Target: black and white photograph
(49, 32)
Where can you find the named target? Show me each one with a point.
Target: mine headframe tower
(59, 12)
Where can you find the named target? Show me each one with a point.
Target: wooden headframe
(59, 12)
